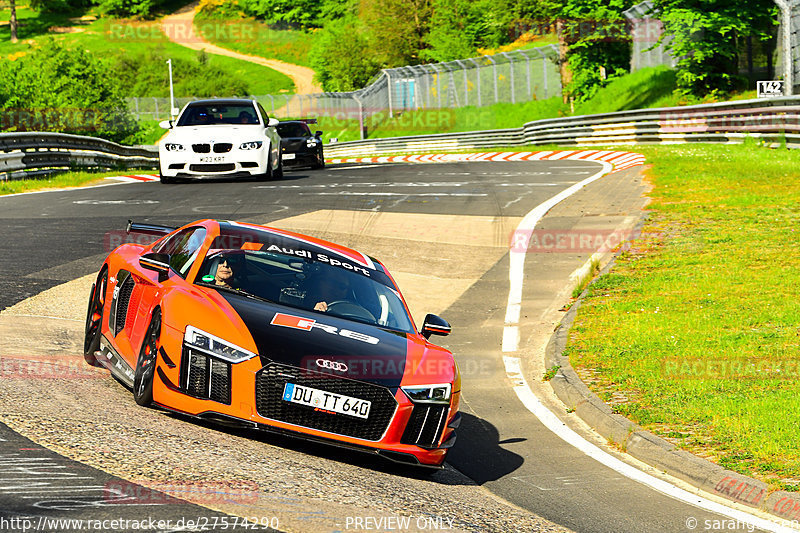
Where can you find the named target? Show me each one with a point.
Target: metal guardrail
(24, 155)
(772, 121)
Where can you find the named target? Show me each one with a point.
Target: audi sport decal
(360, 258)
(307, 324)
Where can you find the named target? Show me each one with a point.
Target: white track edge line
(552, 422)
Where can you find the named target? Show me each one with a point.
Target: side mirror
(273, 122)
(166, 124)
(156, 262)
(318, 134)
(434, 325)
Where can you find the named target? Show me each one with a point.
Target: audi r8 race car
(298, 146)
(268, 329)
(220, 138)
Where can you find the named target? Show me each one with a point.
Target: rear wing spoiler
(148, 229)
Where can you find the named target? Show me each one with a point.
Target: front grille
(123, 300)
(221, 148)
(425, 425)
(219, 167)
(272, 379)
(205, 377)
(201, 148)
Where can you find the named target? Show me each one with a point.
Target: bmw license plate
(213, 159)
(288, 156)
(338, 403)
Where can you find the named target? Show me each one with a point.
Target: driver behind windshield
(328, 288)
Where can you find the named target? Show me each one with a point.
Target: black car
(298, 146)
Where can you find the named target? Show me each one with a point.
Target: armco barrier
(31, 154)
(772, 121)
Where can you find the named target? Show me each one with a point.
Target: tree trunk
(562, 31)
(13, 21)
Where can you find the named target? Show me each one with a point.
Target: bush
(66, 90)
(145, 74)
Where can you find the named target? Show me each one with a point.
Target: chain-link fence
(646, 30)
(517, 76)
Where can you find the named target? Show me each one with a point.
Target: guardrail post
(155, 100)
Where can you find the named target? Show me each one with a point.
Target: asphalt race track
(446, 231)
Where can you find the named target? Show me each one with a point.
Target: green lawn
(250, 36)
(66, 179)
(115, 38)
(697, 324)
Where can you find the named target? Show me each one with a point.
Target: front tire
(146, 364)
(94, 318)
(277, 174)
(165, 179)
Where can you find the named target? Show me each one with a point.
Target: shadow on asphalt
(479, 454)
(367, 459)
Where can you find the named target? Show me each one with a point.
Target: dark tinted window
(204, 115)
(182, 249)
(293, 129)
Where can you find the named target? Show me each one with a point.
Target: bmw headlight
(205, 342)
(174, 147)
(311, 142)
(252, 145)
(428, 393)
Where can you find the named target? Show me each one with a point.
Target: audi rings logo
(332, 365)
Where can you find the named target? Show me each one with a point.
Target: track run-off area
(493, 244)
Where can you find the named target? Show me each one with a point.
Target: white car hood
(215, 134)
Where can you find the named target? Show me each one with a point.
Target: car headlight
(439, 393)
(252, 145)
(208, 343)
(311, 142)
(174, 147)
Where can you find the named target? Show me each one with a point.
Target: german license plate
(338, 403)
(288, 156)
(212, 159)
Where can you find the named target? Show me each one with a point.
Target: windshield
(293, 130)
(205, 115)
(306, 284)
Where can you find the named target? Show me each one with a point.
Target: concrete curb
(649, 448)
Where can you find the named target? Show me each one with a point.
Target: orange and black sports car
(268, 329)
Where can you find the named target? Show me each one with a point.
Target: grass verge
(61, 181)
(697, 324)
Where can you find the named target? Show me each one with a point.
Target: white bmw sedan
(220, 138)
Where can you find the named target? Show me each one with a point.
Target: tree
(706, 39)
(593, 43)
(397, 29)
(459, 27)
(13, 20)
(341, 56)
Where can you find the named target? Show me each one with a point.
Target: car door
(148, 290)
